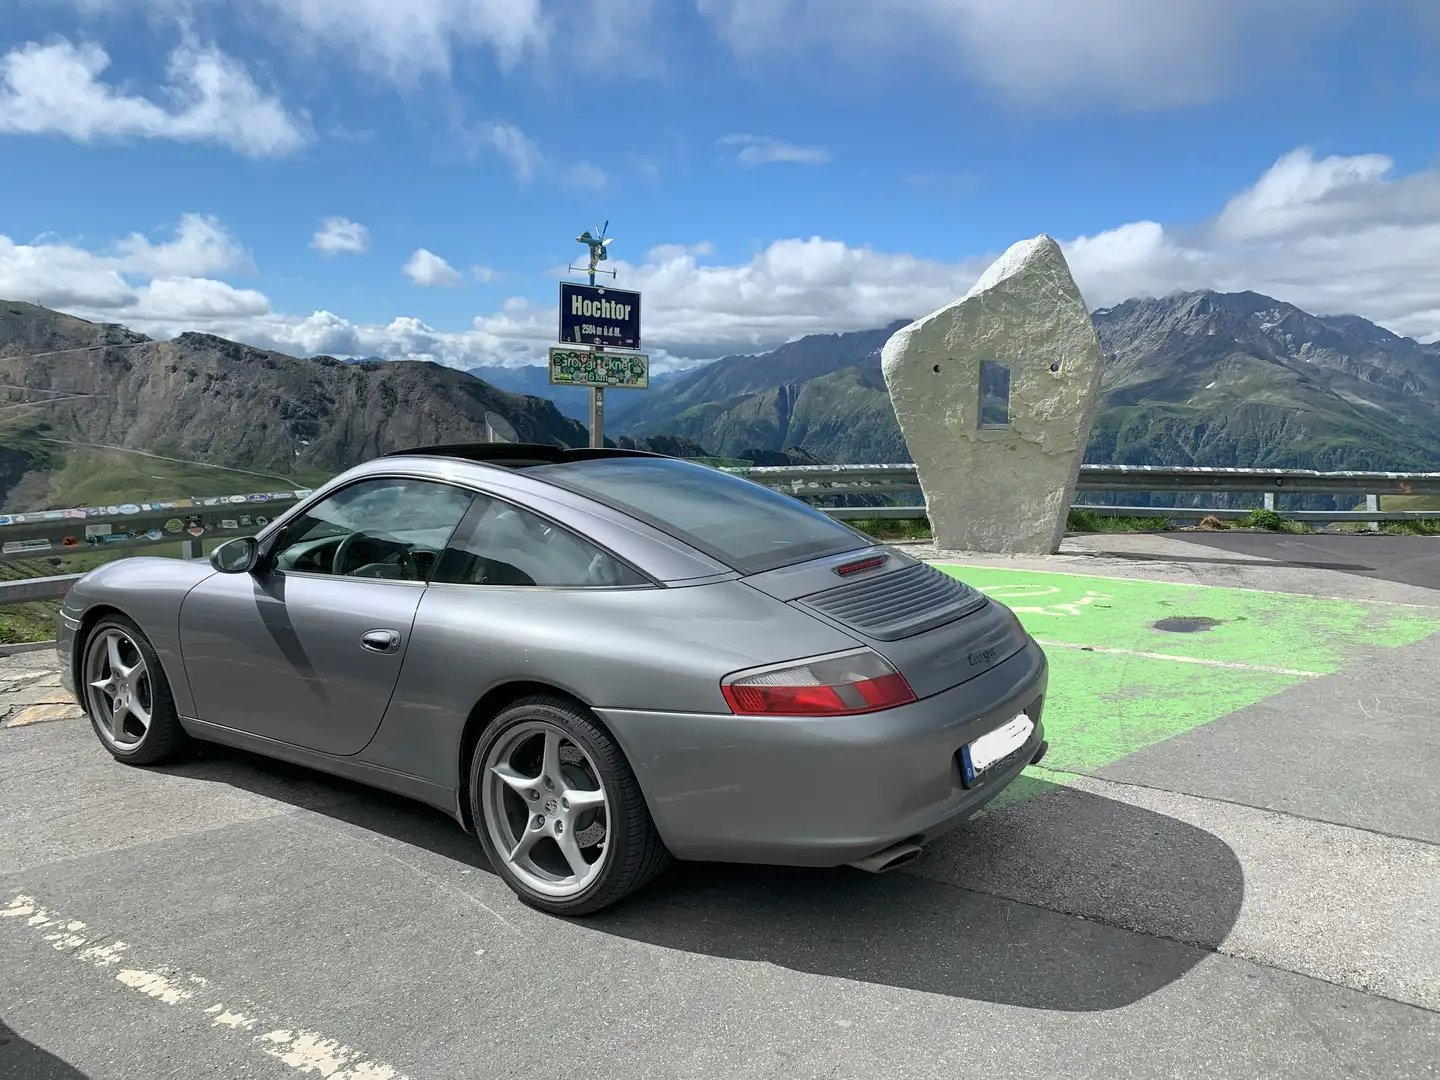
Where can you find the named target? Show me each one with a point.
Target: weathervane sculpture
(597, 242)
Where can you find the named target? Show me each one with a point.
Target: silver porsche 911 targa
(596, 660)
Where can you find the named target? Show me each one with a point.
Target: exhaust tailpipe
(888, 858)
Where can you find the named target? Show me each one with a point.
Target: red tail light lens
(841, 685)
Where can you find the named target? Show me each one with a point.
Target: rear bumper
(806, 792)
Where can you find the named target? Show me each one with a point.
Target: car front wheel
(559, 811)
(126, 695)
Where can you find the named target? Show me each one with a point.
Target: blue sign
(595, 315)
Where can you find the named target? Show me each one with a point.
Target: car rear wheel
(126, 695)
(559, 811)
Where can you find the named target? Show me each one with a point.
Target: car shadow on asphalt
(1059, 900)
(21, 1059)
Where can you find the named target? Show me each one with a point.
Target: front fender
(146, 589)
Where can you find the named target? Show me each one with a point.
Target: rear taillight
(839, 685)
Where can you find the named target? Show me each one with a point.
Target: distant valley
(572, 401)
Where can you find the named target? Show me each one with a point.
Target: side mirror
(236, 556)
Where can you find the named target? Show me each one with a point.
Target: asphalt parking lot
(1227, 866)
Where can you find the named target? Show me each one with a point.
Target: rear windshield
(744, 525)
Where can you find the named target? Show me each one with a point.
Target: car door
(307, 649)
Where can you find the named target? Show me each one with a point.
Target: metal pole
(597, 405)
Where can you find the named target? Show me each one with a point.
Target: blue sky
(769, 167)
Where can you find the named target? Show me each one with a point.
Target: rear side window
(501, 544)
(744, 525)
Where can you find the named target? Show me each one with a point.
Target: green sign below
(582, 367)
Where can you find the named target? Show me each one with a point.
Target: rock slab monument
(995, 395)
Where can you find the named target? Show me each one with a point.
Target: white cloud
(405, 40)
(203, 300)
(759, 150)
(1327, 234)
(526, 159)
(1138, 53)
(339, 234)
(484, 274)
(201, 246)
(521, 151)
(430, 271)
(1330, 235)
(55, 89)
(62, 275)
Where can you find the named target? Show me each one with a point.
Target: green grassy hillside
(89, 476)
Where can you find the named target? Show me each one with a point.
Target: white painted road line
(307, 1052)
(1179, 659)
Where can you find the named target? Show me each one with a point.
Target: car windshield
(746, 526)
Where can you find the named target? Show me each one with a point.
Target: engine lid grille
(898, 605)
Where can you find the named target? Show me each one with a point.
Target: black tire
(164, 739)
(633, 851)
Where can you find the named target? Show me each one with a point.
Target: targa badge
(174, 525)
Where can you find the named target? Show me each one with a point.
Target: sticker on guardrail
(17, 547)
(141, 524)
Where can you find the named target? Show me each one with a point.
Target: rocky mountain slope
(204, 399)
(1199, 378)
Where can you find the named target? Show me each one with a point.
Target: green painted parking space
(1134, 663)
(1239, 626)
(1101, 707)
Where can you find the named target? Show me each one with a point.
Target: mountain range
(1200, 378)
(209, 402)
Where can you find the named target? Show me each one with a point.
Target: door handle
(381, 641)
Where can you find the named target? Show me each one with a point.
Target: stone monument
(995, 395)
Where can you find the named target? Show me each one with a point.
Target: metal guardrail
(821, 481)
(191, 520)
(817, 480)
(40, 588)
(40, 533)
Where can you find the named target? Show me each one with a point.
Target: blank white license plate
(994, 746)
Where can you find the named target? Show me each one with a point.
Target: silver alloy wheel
(117, 686)
(546, 809)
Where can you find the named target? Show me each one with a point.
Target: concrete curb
(25, 646)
